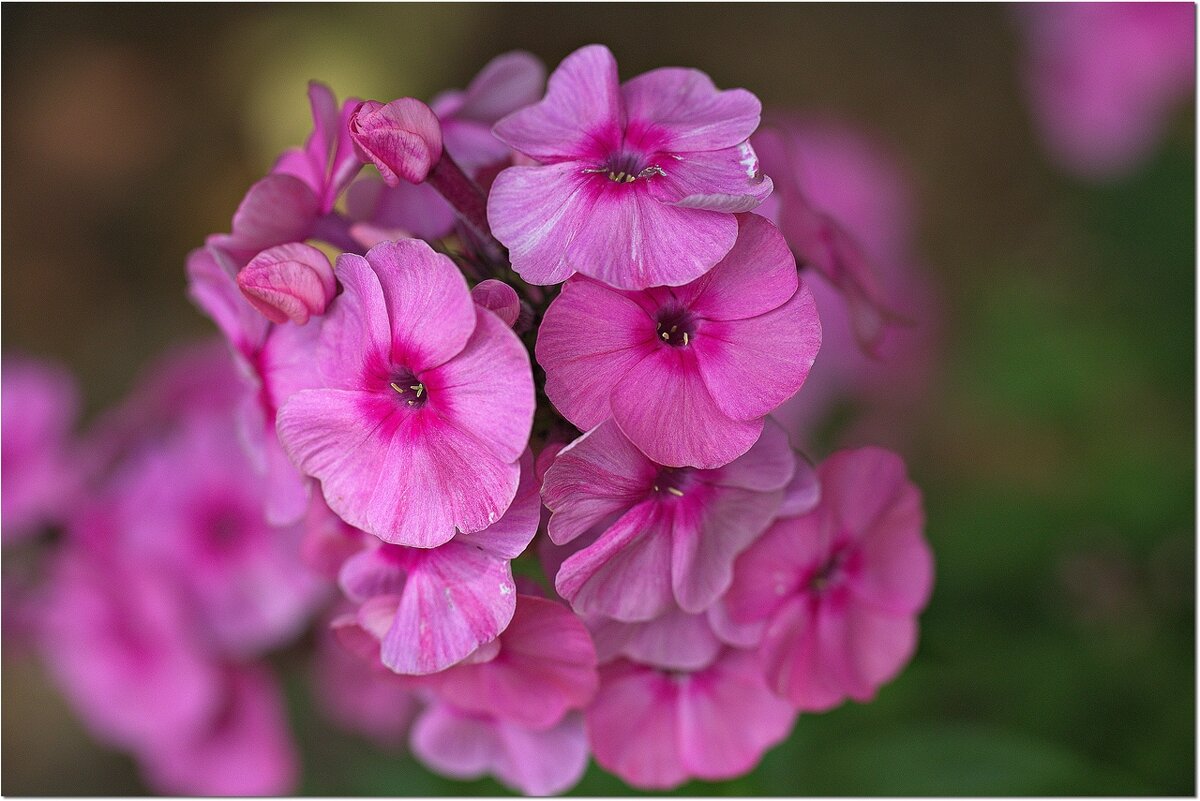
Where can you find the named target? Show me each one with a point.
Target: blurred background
(1054, 441)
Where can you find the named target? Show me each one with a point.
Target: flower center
(625, 168)
(673, 481)
(830, 573)
(676, 326)
(411, 392)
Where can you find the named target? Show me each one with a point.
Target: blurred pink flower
(638, 182)
(688, 373)
(41, 475)
(1104, 79)
(839, 587)
(427, 401)
(658, 728)
(667, 535)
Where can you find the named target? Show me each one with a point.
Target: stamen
(676, 492)
(419, 388)
(685, 337)
(397, 388)
(666, 337)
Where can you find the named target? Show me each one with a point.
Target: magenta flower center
(676, 326)
(626, 167)
(410, 391)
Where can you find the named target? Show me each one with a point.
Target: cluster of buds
(552, 324)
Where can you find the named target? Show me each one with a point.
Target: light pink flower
(1104, 79)
(879, 315)
(688, 373)
(658, 728)
(245, 749)
(668, 535)
(423, 609)
(469, 746)
(839, 587)
(427, 401)
(638, 182)
(40, 404)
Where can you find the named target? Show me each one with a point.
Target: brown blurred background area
(130, 132)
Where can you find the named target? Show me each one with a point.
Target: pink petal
(589, 339)
(663, 406)
(288, 282)
(596, 476)
(633, 726)
(626, 573)
(428, 303)
(708, 537)
(583, 101)
(402, 138)
(727, 180)
(509, 536)
(711, 745)
(356, 332)
(878, 646)
(798, 667)
(536, 212)
(769, 464)
(546, 665)
(630, 240)
(324, 434)
(752, 366)
(212, 284)
(768, 573)
(498, 298)
(803, 492)
(508, 82)
(862, 486)
(456, 599)
(674, 640)
(543, 762)
(684, 112)
(455, 745)
(486, 390)
(375, 570)
(756, 276)
(416, 209)
(276, 210)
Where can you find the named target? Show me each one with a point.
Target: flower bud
(498, 297)
(403, 139)
(288, 282)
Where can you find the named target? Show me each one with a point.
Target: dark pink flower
(1104, 78)
(423, 609)
(658, 728)
(638, 182)
(667, 535)
(245, 749)
(40, 404)
(467, 746)
(839, 587)
(689, 372)
(427, 401)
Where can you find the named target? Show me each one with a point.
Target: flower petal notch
(289, 282)
(637, 182)
(402, 138)
(427, 401)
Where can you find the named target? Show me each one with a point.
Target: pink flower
(244, 750)
(657, 728)
(839, 587)
(540, 667)
(273, 361)
(289, 204)
(1104, 79)
(403, 138)
(668, 535)
(40, 404)
(427, 401)
(638, 182)
(423, 609)
(688, 373)
(467, 746)
(845, 207)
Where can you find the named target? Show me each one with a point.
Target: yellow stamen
(675, 492)
(397, 388)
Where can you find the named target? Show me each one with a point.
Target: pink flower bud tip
(289, 282)
(403, 138)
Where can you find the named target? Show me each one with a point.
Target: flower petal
(664, 407)
(683, 111)
(767, 466)
(727, 180)
(633, 726)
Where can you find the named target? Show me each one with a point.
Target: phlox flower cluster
(509, 408)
